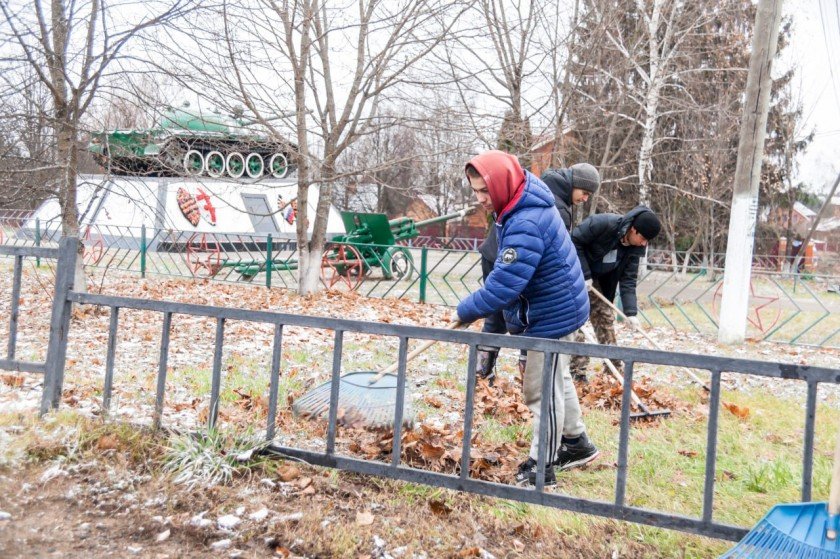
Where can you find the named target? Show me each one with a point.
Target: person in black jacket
(570, 187)
(609, 247)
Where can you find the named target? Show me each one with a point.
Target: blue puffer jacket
(536, 279)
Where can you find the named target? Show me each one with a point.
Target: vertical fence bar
(469, 406)
(216, 381)
(109, 360)
(336, 379)
(268, 260)
(59, 324)
(38, 239)
(15, 314)
(544, 461)
(142, 251)
(162, 365)
(274, 381)
(396, 448)
(624, 435)
(424, 273)
(808, 450)
(711, 448)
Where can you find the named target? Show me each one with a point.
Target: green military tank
(189, 142)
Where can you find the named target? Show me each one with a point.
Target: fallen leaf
(741, 412)
(439, 508)
(288, 473)
(432, 401)
(364, 518)
(107, 442)
(431, 451)
(470, 552)
(15, 381)
(282, 551)
(689, 453)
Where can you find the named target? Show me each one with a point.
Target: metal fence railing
(676, 290)
(462, 480)
(57, 344)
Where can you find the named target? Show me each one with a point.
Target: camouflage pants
(602, 319)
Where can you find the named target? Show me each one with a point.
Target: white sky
(815, 46)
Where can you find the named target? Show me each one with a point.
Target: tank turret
(189, 142)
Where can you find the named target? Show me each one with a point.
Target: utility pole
(739, 248)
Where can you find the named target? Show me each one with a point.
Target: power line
(828, 50)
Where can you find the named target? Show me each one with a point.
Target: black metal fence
(617, 508)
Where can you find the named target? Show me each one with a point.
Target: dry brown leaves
(604, 392)
(13, 380)
(741, 412)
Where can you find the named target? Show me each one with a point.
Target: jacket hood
(504, 177)
(534, 194)
(559, 181)
(628, 218)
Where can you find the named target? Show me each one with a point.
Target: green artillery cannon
(370, 242)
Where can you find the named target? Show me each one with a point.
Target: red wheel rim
(342, 265)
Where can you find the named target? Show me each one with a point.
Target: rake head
(789, 532)
(360, 403)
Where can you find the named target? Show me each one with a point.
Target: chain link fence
(677, 290)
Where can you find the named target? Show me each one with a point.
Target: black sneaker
(579, 454)
(527, 474)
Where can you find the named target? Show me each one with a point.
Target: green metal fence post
(424, 276)
(37, 239)
(268, 247)
(143, 251)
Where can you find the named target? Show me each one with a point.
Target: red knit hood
(504, 177)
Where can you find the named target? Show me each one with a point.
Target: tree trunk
(68, 151)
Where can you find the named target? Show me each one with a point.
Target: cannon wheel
(92, 247)
(397, 264)
(342, 265)
(204, 256)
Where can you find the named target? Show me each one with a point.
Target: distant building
(801, 218)
(551, 151)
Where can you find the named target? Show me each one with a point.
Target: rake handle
(620, 313)
(834, 492)
(617, 375)
(423, 347)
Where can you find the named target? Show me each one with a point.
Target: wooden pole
(739, 248)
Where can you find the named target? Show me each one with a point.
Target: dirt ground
(103, 503)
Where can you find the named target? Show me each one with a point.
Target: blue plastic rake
(802, 531)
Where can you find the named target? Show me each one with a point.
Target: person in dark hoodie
(537, 282)
(609, 247)
(570, 187)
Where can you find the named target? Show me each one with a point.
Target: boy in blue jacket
(538, 284)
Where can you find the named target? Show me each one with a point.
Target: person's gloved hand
(635, 322)
(589, 284)
(456, 318)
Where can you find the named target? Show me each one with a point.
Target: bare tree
(333, 69)
(69, 50)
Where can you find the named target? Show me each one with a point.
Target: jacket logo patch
(509, 256)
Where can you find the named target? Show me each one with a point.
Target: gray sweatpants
(564, 415)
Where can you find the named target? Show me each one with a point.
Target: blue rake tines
(790, 532)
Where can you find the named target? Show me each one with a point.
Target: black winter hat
(585, 177)
(647, 224)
